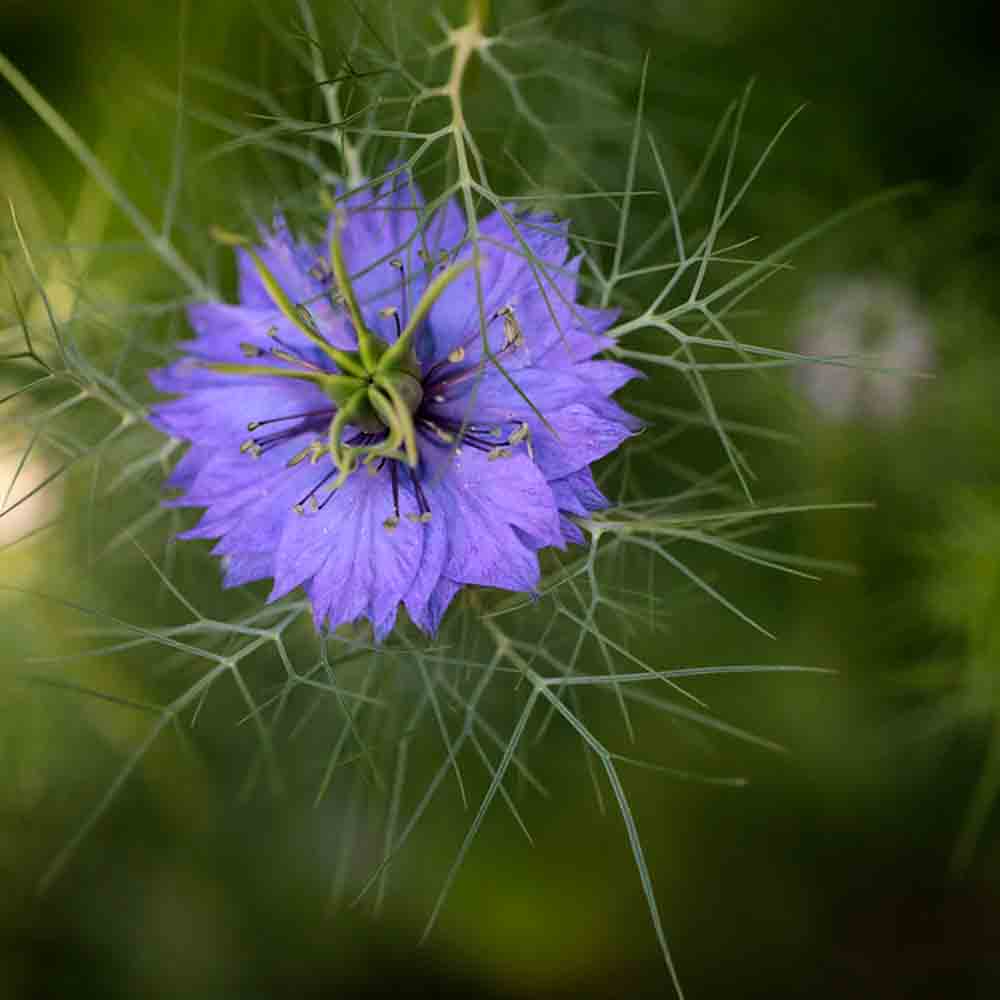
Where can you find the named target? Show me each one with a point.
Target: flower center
(379, 400)
(375, 389)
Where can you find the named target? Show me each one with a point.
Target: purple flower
(392, 458)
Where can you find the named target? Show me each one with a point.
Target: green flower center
(375, 389)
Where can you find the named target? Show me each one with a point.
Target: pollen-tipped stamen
(254, 424)
(404, 292)
(423, 514)
(292, 311)
(310, 497)
(397, 352)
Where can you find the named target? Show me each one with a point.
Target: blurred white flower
(27, 502)
(871, 321)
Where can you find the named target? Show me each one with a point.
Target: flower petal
(368, 569)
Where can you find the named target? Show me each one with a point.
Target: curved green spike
(369, 346)
(287, 307)
(391, 385)
(345, 415)
(397, 353)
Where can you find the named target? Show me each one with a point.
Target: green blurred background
(863, 862)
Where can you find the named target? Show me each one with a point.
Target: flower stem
(479, 11)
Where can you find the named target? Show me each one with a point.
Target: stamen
(289, 349)
(513, 336)
(441, 433)
(320, 270)
(522, 433)
(394, 313)
(257, 446)
(310, 497)
(254, 424)
(476, 436)
(423, 507)
(404, 344)
(404, 290)
(394, 476)
(292, 311)
(292, 359)
(363, 438)
(306, 316)
(328, 497)
(312, 451)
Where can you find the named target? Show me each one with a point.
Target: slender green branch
(156, 241)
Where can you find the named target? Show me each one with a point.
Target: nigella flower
(351, 433)
(861, 318)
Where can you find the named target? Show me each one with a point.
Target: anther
(394, 476)
(398, 265)
(496, 453)
(254, 424)
(394, 313)
(423, 507)
(294, 356)
(457, 355)
(513, 337)
(312, 451)
(309, 500)
(251, 350)
(320, 271)
(285, 356)
(523, 433)
(305, 316)
(390, 523)
(523, 430)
